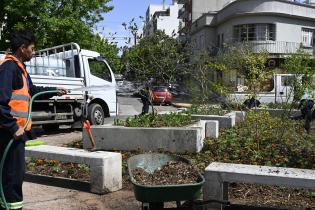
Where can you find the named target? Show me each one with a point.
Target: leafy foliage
(157, 55)
(152, 120)
(201, 85)
(207, 110)
(246, 64)
(285, 106)
(59, 22)
(303, 67)
(108, 51)
(54, 22)
(256, 142)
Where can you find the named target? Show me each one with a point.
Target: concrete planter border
(226, 121)
(218, 175)
(105, 167)
(172, 139)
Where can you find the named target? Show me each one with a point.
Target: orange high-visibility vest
(20, 99)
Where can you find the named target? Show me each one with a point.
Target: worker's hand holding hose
(18, 134)
(62, 91)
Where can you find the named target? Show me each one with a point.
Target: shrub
(286, 106)
(207, 110)
(152, 120)
(261, 140)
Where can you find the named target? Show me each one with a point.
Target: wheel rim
(98, 117)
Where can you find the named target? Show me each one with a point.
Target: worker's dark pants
(13, 171)
(145, 107)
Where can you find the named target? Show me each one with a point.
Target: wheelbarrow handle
(87, 126)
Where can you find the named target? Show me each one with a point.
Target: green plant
(261, 146)
(153, 120)
(285, 106)
(158, 56)
(207, 110)
(302, 66)
(241, 61)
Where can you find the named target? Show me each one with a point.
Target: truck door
(101, 75)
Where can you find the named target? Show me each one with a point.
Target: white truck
(279, 91)
(71, 67)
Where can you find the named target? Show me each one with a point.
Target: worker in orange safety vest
(16, 89)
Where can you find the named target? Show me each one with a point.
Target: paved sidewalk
(39, 197)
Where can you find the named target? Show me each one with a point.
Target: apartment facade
(194, 9)
(278, 26)
(281, 27)
(163, 18)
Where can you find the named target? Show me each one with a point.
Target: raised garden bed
(174, 133)
(207, 110)
(55, 168)
(226, 118)
(245, 194)
(156, 121)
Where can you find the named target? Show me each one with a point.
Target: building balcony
(274, 47)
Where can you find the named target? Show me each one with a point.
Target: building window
(308, 37)
(255, 32)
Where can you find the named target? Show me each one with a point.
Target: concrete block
(239, 116)
(179, 140)
(217, 176)
(212, 129)
(226, 121)
(105, 167)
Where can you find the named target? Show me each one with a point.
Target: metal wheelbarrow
(154, 196)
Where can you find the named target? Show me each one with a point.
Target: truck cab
(75, 69)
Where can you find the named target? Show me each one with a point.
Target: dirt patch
(55, 168)
(271, 196)
(173, 172)
(243, 194)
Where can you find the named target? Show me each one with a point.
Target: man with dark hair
(250, 103)
(16, 88)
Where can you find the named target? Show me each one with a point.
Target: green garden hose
(11, 142)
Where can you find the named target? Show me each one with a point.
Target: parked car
(162, 95)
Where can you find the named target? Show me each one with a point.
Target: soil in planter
(271, 196)
(173, 172)
(55, 168)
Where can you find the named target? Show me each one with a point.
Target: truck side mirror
(99, 58)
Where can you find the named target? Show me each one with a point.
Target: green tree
(302, 66)
(59, 22)
(246, 64)
(108, 51)
(53, 22)
(157, 55)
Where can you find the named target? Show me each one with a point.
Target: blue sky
(124, 11)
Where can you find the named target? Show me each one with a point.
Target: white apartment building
(163, 18)
(280, 27)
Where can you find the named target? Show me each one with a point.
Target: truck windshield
(100, 69)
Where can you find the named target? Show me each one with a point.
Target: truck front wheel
(96, 114)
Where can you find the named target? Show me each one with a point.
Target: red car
(162, 95)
